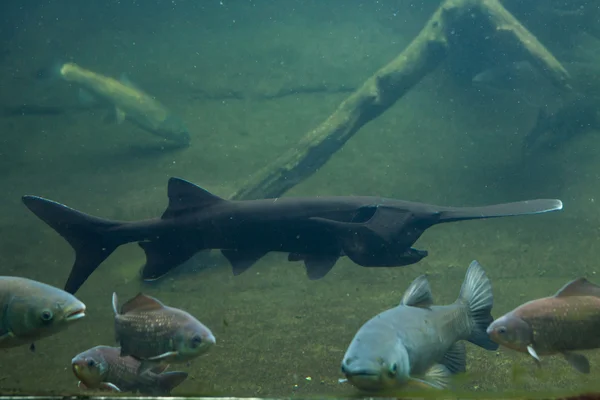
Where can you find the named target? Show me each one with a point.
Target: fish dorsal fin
(579, 287)
(418, 294)
(141, 302)
(185, 196)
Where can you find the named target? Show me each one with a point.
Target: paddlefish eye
(196, 341)
(392, 370)
(46, 315)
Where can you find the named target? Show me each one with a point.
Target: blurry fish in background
(31, 310)
(419, 342)
(552, 129)
(129, 102)
(521, 79)
(561, 116)
(102, 367)
(566, 322)
(157, 334)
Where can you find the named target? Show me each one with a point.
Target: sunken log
(391, 82)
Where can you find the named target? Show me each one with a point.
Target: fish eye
(46, 315)
(502, 330)
(196, 341)
(91, 363)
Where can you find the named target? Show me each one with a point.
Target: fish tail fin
(168, 381)
(86, 234)
(501, 210)
(476, 293)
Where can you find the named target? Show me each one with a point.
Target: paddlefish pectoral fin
(317, 266)
(578, 361)
(241, 260)
(89, 236)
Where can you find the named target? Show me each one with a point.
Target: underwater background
(250, 78)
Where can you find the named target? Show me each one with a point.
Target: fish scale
(149, 333)
(154, 333)
(123, 372)
(562, 325)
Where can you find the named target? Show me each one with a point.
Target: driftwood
(435, 41)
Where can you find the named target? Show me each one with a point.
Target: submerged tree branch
(391, 82)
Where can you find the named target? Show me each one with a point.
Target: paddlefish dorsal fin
(184, 196)
(141, 302)
(579, 287)
(418, 294)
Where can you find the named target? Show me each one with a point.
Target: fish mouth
(367, 381)
(364, 374)
(76, 314)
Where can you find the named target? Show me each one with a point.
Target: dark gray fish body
(417, 341)
(102, 367)
(371, 231)
(31, 310)
(151, 332)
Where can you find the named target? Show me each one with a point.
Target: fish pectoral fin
(148, 365)
(455, 358)
(163, 356)
(241, 260)
(159, 369)
(119, 115)
(86, 98)
(169, 380)
(533, 354)
(578, 361)
(109, 386)
(81, 385)
(318, 266)
(418, 294)
(438, 376)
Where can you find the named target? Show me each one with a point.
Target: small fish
(102, 367)
(566, 322)
(31, 310)
(417, 342)
(154, 333)
(129, 103)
